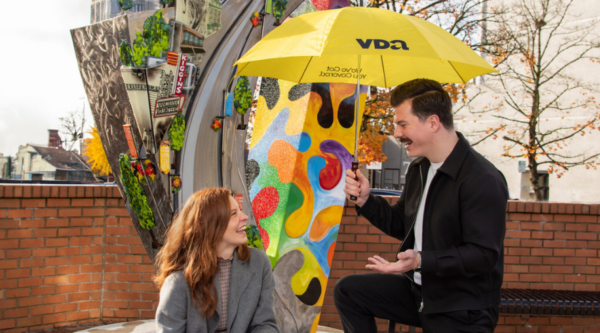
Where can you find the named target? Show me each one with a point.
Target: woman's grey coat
(250, 304)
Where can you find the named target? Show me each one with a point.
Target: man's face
(414, 134)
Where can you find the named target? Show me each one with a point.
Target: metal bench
(548, 302)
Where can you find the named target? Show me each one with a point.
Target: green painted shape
(153, 40)
(294, 202)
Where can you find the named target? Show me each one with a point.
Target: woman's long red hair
(190, 244)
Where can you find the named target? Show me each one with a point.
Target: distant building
(106, 9)
(5, 166)
(51, 162)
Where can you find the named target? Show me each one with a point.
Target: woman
(205, 251)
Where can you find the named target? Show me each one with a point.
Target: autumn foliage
(95, 152)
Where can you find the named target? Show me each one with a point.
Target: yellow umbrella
(385, 47)
(392, 48)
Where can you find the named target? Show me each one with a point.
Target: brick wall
(547, 246)
(70, 254)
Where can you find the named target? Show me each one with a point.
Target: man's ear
(434, 123)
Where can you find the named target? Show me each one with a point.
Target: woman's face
(235, 234)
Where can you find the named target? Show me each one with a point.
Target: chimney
(54, 139)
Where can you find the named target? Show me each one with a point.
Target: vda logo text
(381, 44)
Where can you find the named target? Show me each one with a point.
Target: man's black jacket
(463, 229)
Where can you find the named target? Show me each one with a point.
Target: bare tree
(536, 45)
(73, 125)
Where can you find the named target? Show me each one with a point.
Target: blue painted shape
(229, 105)
(305, 142)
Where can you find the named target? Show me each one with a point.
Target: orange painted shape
(283, 157)
(330, 253)
(324, 221)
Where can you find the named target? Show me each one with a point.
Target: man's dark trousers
(361, 297)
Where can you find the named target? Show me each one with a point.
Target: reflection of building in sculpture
(106, 9)
(214, 16)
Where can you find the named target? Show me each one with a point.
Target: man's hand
(360, 189)
(407, 261)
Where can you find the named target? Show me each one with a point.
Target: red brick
(586, 219)
(30, 282)
(554, 243)
(7, 304)
(33, 223)
(553, 260)
(31, 243)
(531, 242)
(517, 251)
(80, 241)
(16, 313)
(580, 235)
(128, 296)
(67, 251)
(19, 213)
(18, 234)
(80, 260)
(29, 263)
(125, 230)
(40, 310)
(91, 268)
(69, 212)
(93, 212)
(9, 224)
(63, 270)
(76, 297)
(55, 299)
(44, 233)
(10, 203)
(531, 226)
(586, 253)
(33, 203)
(91, 286)
(49, 212)
(575, 227)
(91, 249)
(117, 249)
(8, 284)
(81, 222)
(16, 293)
(519, 217)
(564, 252)
(55, 279)
(140, 305)
(13, 254)
(123, 277)
(53, 223)
(79, 278)
(127, 313)
(147, 268)
(8, 323)
(141, 287)
(95, 232)
(31, 321)
(68, 288)
(9, 244)
(564, 218)
(530, 277)
(44, 253)
(135, 259)
(55, 318)
(89, 305)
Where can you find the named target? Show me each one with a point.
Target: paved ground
(140, 326)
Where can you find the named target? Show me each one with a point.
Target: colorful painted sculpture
(301, 144)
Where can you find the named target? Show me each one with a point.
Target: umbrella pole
(356, 125)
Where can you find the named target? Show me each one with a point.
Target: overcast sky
(40, 79)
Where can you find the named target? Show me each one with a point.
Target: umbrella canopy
(393, 48)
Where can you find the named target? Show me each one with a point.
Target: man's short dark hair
(427, 97)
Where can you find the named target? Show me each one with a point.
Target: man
(451, 219)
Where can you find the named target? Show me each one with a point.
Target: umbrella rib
(383, 67)
(461, 78)
(309, 60)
